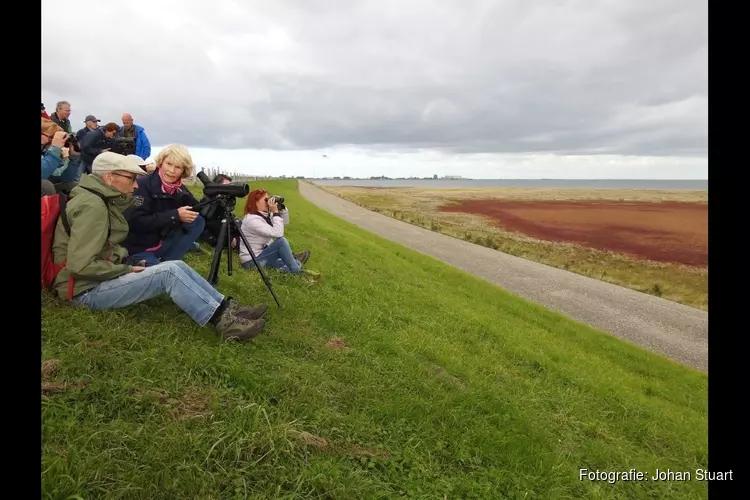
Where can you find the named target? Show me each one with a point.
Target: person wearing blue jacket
(55, 158)
(138, 133)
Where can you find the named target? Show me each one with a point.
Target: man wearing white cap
(95, 275)
(146, 166)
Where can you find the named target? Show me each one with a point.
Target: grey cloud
(614, 77)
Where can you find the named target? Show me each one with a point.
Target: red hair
(251, 205)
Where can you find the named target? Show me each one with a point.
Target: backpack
(53, 209)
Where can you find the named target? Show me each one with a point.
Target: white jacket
(259, 233)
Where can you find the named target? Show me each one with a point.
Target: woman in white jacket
(263, 226)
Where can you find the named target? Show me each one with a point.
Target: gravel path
(676, 331)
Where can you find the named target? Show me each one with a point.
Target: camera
(279, 200)
(72, 142)
(122, 145)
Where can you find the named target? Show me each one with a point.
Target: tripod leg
(229, 247)
(213, 275)
(242, 240)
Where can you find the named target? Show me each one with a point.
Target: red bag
(53, 207)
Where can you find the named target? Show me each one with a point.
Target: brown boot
(235, 328)
(241, 311)
(302, 257)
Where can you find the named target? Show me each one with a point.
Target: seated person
(56, 176)
(262, 223)
(141, 163)
(162, 225)
(145, 165)
(95, 275)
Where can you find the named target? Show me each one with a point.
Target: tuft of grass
(683, 284)
(393, 376)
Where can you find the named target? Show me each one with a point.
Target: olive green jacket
(91, 258)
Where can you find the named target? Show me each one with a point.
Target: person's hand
(150, 167)
(58, 140)
(137, 269)
(186, 214)
(272, 206)
(64, 152)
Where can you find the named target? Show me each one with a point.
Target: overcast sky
(504, 88)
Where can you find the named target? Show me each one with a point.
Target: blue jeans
(188, 290)
(277, 255)
(175, 245)
(84, 168)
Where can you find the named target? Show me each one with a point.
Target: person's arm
(88, 235)
(91, 143)
(140, 217)
(254, 224)
(144, 145)
(285, 216)
(188, 199)
(51, 161)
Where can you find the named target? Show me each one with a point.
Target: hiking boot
(309, 275)
(302, 256)
(235, 328)
(246, 312)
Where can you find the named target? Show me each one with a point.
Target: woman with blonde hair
(163, 227)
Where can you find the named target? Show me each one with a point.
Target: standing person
(94, 143)
(95, 275)
(138, 133)
(61, 116)
(91, 122)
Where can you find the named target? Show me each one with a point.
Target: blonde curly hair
(178, 155)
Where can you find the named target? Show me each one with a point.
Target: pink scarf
(167, 187)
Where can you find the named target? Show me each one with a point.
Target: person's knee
(48, 189)
(173, 266)
(177, 264)
(284, 241)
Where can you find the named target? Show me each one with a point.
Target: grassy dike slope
(439, 386)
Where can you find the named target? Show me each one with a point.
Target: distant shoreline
(649, 184)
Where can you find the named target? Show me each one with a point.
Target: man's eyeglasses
(132, 178)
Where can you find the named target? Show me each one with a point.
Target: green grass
(449, 388)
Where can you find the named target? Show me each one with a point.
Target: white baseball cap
(139, 161)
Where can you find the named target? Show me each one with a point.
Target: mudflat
(661, 232)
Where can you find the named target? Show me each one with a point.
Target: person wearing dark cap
(91, 123)
(95, 142)
(44, 112)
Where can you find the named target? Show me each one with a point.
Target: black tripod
(230, 227)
